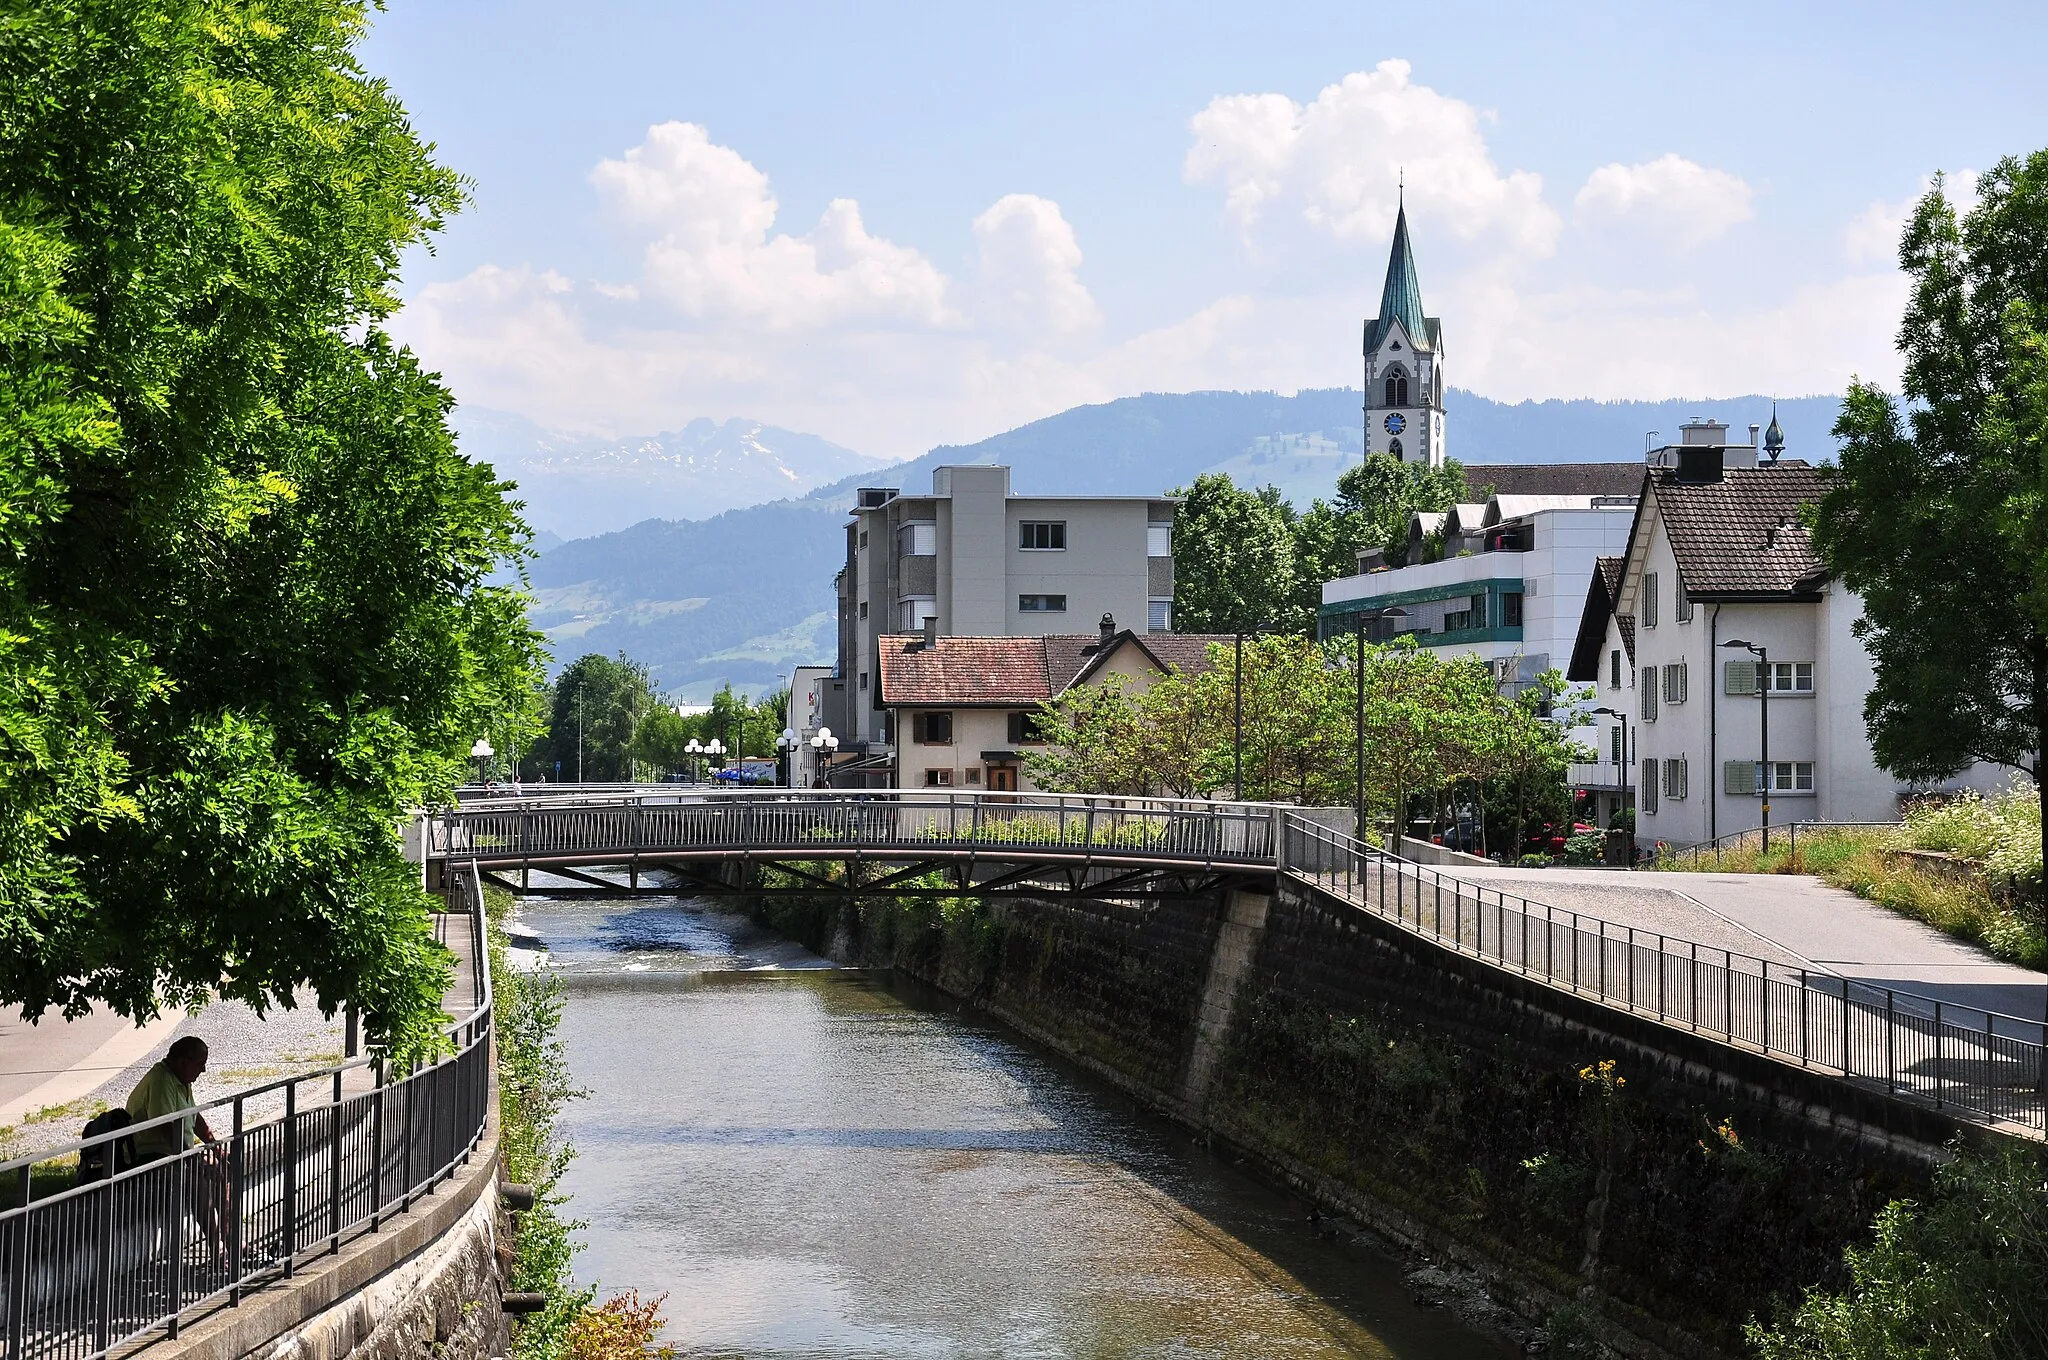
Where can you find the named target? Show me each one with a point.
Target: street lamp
(715, 750)
(787, 743)
(1763, 695)
(824, 744)
(693, 749)
(1394, 614)
(480, 753)
(1617, 713)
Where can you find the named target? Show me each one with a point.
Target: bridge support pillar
(1237, 945)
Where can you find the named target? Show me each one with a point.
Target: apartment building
(1719, 608)
(965, 708)
(974, 559)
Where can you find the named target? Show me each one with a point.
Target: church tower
(1404, 380)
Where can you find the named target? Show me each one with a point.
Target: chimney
(1755, 433)
(931, 631)
(1108, 628)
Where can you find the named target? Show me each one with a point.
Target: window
(1159, 540)
(1791, 776)
(1159, 616)
(1473, 615)
(1649, 609)
(1041, 604)
(1397, 388)
(1614, 668)
(938, 779)
(1681, 604)
(1511, 609)
(1614, 751)
(972, 775)
(1648, 787)
(918, 540)
(931, 729)
(863, 679)
(1394, 447)
(1791, 677)
(863, 608)
(915, 612)
(1675, 778)
(1024, 729)
(1675, 683)
(1739, 778)
(1648, 696)
(1741, 679)
(863, 538)
(1042, 535)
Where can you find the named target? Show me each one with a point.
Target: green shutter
(1742, 677)
(1739, 777)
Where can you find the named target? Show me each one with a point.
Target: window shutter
(1649, 785)
(1742, 676)
(1681, 604)
(1684, 772)
(917, 727)
(1738, 778)
(1614, 669)
(1684, 677)
(1649, 610)
(1648, 691)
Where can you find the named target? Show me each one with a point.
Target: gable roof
(1739, 537)
(1017, 672)
(1601, 593)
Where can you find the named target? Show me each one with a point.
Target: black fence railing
(1977, 1062)
(299, 1167)
(1785, 837)
(825, 822)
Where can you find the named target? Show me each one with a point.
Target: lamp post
(714, 750)
(480, 753)
(693, 749)
(787, 744)
(1390, 613)
(1763, 695)
(824, 744)
(1237, 707)
(1623, 717)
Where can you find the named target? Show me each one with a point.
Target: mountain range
(743, 595)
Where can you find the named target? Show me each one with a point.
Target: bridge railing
(1985, 1063)
(300, 1166)
(822, 820)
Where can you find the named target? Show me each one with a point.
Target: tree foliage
(244, 618)
(1245, 560)
(1938, 516)
(594, 709)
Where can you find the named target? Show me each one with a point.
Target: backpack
(101, 1160)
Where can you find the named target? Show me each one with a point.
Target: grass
(1859, 861)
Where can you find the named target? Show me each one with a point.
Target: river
(811, 1164)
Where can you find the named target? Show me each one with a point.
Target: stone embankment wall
(1570, 1155)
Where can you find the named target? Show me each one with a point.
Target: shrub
(1588, 847)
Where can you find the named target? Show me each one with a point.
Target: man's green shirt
(160, 1093)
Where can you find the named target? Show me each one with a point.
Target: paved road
(1789, 917)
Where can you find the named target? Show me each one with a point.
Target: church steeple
(1404, 384)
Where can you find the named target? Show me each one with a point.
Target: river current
(811, 1164)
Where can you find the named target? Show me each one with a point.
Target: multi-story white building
(973, 559)
(1717, 569)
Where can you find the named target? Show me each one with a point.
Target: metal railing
(1753, 839)
(301, 1166)
(822, 823)
(1979, 1062)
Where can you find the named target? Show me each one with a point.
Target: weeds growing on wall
(533, 1085)
(1960, 1276)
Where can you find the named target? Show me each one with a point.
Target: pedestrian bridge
(1976, 1064)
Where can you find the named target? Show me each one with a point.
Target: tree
(594, 709)
(244, 614)
(1938, 517)
(660, 738)
(1093, 741)
(1233, 558)
(1377, 498)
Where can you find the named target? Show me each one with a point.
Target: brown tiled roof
(1600, 595)
(1015, 671)
(1554, 479)
(1741, 535)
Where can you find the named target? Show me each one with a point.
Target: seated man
(167, 1089)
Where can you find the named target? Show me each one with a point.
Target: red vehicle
(1549, 838)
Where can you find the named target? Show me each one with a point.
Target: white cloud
(1030, 263)
(1333, 165)
(716, 257)
(1671, 199)
(1872, 236)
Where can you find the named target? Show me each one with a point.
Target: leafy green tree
(594, 709)
(244, 618)
(1094, 742)
(1938, 517)
(1377, 498)
(1957, 1277)
(1233, 559)
(660, 739)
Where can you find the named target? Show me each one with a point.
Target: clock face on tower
(1396, 423)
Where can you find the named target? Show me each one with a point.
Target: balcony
(1596, 774)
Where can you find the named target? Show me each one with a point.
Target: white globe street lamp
(480, 753)
(824, 743)
(788, 743)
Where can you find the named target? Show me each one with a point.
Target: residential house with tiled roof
(963, 708)
(1604, 656)
(1726, 612)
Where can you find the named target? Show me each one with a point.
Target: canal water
(810, 1164)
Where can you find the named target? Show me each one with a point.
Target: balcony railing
(1597, 774)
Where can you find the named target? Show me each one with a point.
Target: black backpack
(102, 1160)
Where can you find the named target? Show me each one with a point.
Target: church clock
(1396, 423)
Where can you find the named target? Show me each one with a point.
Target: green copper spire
(1401, 299)
(1774, 438)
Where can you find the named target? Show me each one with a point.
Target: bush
(2001, 833)
(1588, 847)
(1534, 861)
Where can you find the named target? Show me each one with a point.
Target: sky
(897, 226)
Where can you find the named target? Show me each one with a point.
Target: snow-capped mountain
(578, 485)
